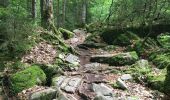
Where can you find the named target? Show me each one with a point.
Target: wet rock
(103, 92)
(47, 94)
(121, 84)
(72, 59)
(126, 77)
(117, 60)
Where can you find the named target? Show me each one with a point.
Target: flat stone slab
(126, 77)
(68, 84)
(72, 59)
(95, 78)
(93, 67)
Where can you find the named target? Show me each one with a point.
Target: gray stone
(65, 82)
(74, 82)
(63, 96)
(126, 77)
(69, 84)
(101, 97)
(121, 84)
(69, 89)
(47, 94)
(72, 59)
(101, 89)
(57, 81)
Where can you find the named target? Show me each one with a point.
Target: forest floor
(93, 80)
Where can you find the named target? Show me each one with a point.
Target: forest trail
(95, 81)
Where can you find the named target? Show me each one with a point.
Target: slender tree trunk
(58, 13)
(64, 12)
(110, 13)
(84, 12)
(34, 10)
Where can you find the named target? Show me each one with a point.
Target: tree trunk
(46, 13)
(64, 12)
(84, 12)
(58, 13)
(34, 10)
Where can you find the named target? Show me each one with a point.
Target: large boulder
(118, 59)
(27, 78)
(119, 37)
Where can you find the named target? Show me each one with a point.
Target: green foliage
(160, 60)
(164, 40)
(27, 78)
(17, 35)
(156, 81)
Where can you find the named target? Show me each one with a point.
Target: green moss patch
(27, 78)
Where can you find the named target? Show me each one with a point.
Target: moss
(27, 78)
(119, 59)
(66, 33)
(157, 81)
(109, 48)
(140, 68)
(124, 58)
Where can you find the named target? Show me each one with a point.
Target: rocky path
(95, 80)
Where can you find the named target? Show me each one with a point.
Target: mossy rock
(120, 37)
(164, 40)
(66, 33)
(27, 78)
(117, 60)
